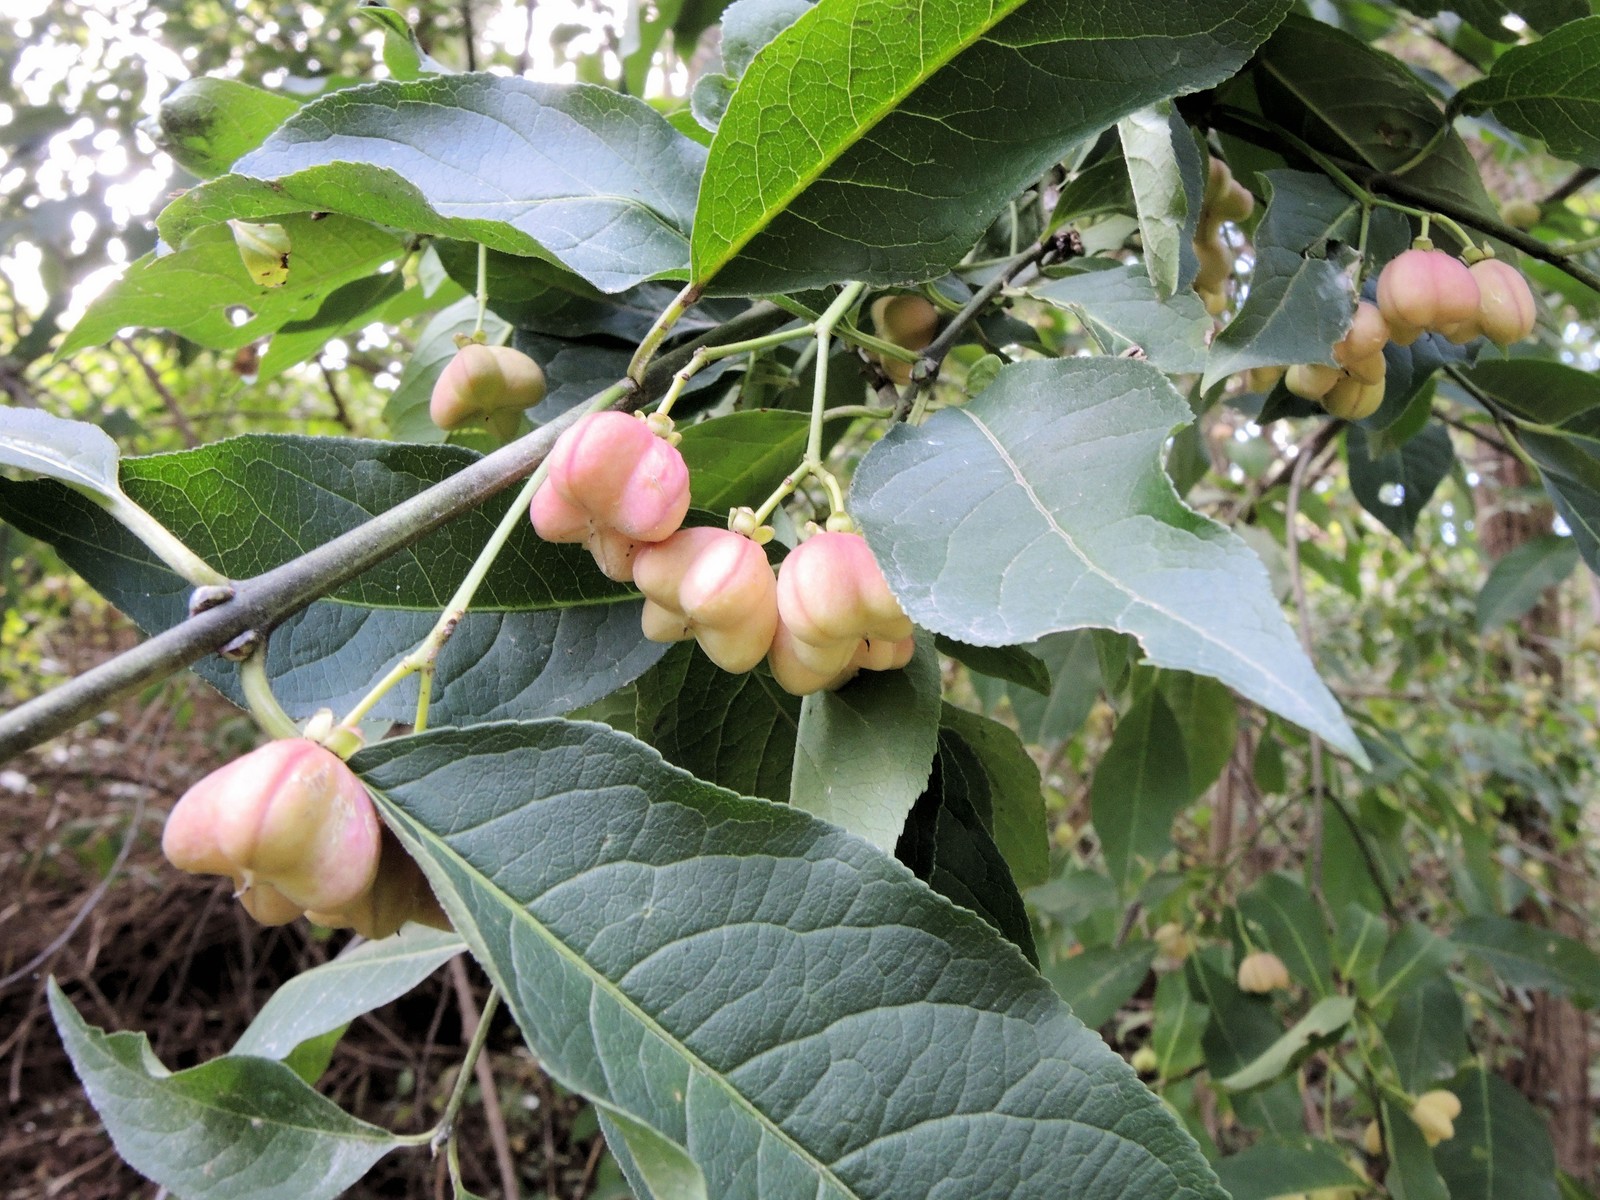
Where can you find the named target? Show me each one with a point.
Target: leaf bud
(1262, 972)
(289, 823)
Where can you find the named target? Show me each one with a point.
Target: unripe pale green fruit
(289, 823)
(1506, 311)
(1174, 941)
(1216, 260)
(715, 586)
(1428, 290)
(1353, 400)
(910, 322)
(613, 485)
(399, 893)
(492, 383)
(1226, 198)
(1366, 337)
(1520, 214)
(1262, 972)
(1263, 379)
(1372, 1139)
(1145, 1060)
(1311, 381)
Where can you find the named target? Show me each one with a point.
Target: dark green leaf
(1269, 1170)
(1041, 506)
(1525, 955)
(947, 844)
(1397, 487)
(1209, 718)
(737, 731)
(1300, 302)
(1520, 578)
(1010, 663)
(198, 289)
(1412, 1174)
(596, 181)
(1075, 685)
(1319, 1027)
(1427, 1036)
(1413, 955)
(1547, 90)
(1360, 938)
(652, 936)
(234, 1127)
(1284, 918)
(1180, 1020)
(566, 635)
(740, 458)
(1242, 1028)
(361, 979)
(1016, 817)
(865, 751)
(1101, 980)
(1501, 1150)
(1140, 786)
(797, 194)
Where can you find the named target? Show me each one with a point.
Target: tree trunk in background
(1556, 1048)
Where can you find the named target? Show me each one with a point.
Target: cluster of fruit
(297, 833)
(619, 486)
(1420, 291)
(1434, 1113)
(1226, 199)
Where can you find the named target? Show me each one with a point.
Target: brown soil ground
(140, 946)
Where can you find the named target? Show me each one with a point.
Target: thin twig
(180, 419)
(264, 601)
(340, 412)
(485, 1074)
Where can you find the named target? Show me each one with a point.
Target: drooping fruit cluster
(1226, 199)
(712, 585)
(909, 322)
(493, 384)
(614, 485)
(1262, 972)
(1354, 388)
(295, 830)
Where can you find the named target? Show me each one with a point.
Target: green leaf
(1488, 16)
(1017, 815)
(1172, 333)
(1285, 919)
(1518, 580)
(1361, 937)
(1319, 1027)
(947, 844)
(406, 413)
(403, 55)
(1300, 302)
(206, 124)
(1525, 955)
(1209, 718)
(1501, 1150)
(1397, 486)
(1041, 506)
(197, 289)
(1166, 173)
(567, 636)
(1547, 89)
(737, 731)
(1074, 666)
(1101, 187)
(655, 936)
(865, 751)
(1180, 1020)
(1139, 787)
(1101, 980)
(1557, 408)
(1242, 1028)
(329, 996)
(79, 454)
(581, 175)
(740, 458)
(1269, 1170)
(1414, 954)
(1303, 81)
(887, 136)
(1427, 1036)
(1412, 1174)
(1010, 663)
(233, 1127)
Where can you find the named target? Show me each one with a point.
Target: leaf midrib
(619, 997)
